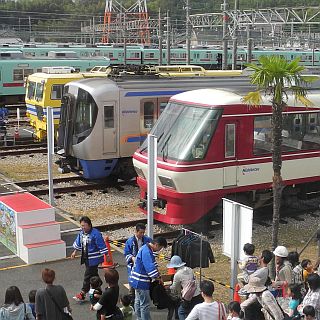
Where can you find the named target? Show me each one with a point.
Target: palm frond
(304, 100)
(253, 98)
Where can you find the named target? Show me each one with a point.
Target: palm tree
(275, 77)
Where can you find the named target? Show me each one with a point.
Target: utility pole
(29, 28)
(249, 44)
(235, 39)
(93, 31)
(81, 26)
(188, 32)
(224, 36)
(168, 40)
(125, 38)
(160, 38)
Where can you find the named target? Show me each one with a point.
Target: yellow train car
(45, 89)
(193, 71)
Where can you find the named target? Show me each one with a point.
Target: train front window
(184, 132)
(86, 114)
(31, 89)
(39, 91)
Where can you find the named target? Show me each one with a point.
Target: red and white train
(212, 145)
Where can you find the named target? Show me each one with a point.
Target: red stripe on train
(18, 84)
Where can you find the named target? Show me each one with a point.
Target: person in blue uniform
(143, 272)
(92, 246)
(134, 243)
(132, 246)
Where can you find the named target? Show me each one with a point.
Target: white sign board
(244, 226)
(237, 231)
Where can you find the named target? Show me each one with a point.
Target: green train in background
(209, 57)
(15, 68)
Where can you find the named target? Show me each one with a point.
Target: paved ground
(69, 273)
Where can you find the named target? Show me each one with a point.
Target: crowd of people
(293, 293)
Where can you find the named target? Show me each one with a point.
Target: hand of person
(73, 254)
(133, 259)
(91, 307)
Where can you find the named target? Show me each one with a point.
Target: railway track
(24, 146)
(12, 108)
(40, 187)
(21, 150)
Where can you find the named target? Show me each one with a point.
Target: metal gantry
(303, 16)
(119, 22)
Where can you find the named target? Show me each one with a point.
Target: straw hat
(175, 262)
(254, 285)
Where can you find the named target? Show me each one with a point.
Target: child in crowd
(294, 292)
(307, 266)
(309, 313)
(32, 301)
(127, 309)
(95, 291)
(234, 310)
(248, 265)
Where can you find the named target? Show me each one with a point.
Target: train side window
(17, 74)
(230, 132)
(27, 72)
(56, 91)
(148, 112)
(262, 135)
(108, 117)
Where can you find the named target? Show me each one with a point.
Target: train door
(230, 154)
(150, 110)
(109, 128)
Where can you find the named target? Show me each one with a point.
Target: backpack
(189, 290)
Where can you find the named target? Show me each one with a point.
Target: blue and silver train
(103, 121)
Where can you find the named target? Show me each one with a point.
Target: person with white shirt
(263, 271)
(209, 309)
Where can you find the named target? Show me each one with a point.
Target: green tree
(277, 78)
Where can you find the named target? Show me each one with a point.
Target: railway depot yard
(109, 205)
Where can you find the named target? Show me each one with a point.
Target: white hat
(281, 251)
(254, 285)
(175, 262)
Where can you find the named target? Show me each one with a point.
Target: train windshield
(184, 132)
(31, 89)
(85, 116)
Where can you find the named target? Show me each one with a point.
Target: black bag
(65, 316)
(117, 315)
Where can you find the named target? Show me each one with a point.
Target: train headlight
(167, 182)
(139, 172)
